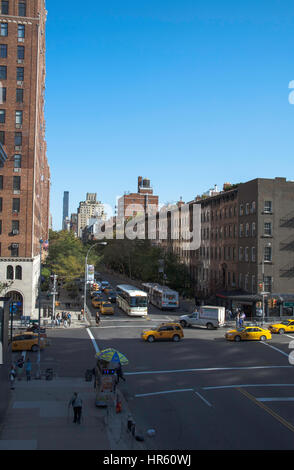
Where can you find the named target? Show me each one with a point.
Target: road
(200, 393)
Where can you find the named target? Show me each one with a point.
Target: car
(248, 333)
(286, 326)
(96, 302)
(96, 293)
(35, 329)
(112, 296)
(164, 331)
(107, 290)
(27, 341)
(106, 308)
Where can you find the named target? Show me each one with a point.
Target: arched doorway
(16, 304)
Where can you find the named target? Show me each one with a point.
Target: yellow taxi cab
(248, 333)
(96, 302)
(27, 341)
(107, 290)
(286, 326)
(164, 331)
(106, 308)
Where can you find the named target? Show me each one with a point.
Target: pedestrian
(69, 318)
(242, 319)
(19, 364)
(12, 375)
(65, 322)
(77, 404)
(237, 319)
(97, 318)
(119, 373)
(82, 314)
(28, 369)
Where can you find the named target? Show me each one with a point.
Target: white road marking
(276, 349)
(203, 399)
(140, 395)
(219, 387)
(206, 369)
(93, 340)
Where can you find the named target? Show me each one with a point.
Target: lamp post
(263, 286)
(86, 265)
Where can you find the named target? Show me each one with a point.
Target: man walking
(12, 375)
(77, 404)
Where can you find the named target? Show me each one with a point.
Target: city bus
(162, 296)
(131, 300)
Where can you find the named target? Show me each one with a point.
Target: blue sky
(189, 93)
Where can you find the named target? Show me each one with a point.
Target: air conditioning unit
(16, 170)
(15, 232)
(19, 82)
(18, 126)
(14, 245)
(20, 39)
(20, 61)
(15, 212)
(17, 147)
(16, 191)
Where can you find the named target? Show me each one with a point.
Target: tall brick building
(25, 175)
(140, 203)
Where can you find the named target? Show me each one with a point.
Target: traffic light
(274, 303)
(260, 286)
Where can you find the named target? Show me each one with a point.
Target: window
(3, 29)
(4, 7)
(1, 182)
(21, 31)
(247, 254)
(267, 253)
(22, 9)
(20, 52)
(15, 227)
(253, 254)
(240, 253)
(3, 51)
(253, 287)
(2, 116)
(1, 204)
(20, 74)
(18, 273)
(18, 139)
(2, 95)
(15, 205)
(19, 95)
(267, 228)
(247, 208)
(253, 229)
(2, 137)
(268, 283)
(268, 206)
(241, 230)
(16, 183)
(17, 161)
(18, 117)
(253, 207)
(9, 273)
(241, 209)
(14, 249)
(0, 227)
(247, 230)
(3, 72)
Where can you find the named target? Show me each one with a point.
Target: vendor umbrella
(112, 355)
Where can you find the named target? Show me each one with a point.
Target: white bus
(162, 296)
(131, 300)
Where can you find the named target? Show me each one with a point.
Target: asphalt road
(200, 393)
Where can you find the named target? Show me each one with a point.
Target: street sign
(288, 304)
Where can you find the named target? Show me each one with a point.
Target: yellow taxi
(165, 331)
(96, 302)
(27, 341)
(286, 326)
(107, 290)
(106, 308)
(248, 333)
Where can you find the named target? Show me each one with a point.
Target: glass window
(3, 29)
(267, 228)
(19, 95)
(3, 72)
(20, 52)
(267, 283)
(2, 137)
(21, 31)
(14, 249)
(15, 225)
(20, 74)
(16, 183)
(18, 139)
(18, 117)
(4, 7)
(15, 204)
(2, 116)
(22, 9)
(241, 209)
(267, 253)
(1, 182)
(17, 161)
(268, 206)
(9, 272)
(18, 273)
(253, 254)
(2, 94)
(3, 51)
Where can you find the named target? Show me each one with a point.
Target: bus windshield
(138, 301)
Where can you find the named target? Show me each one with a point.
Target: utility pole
(54, 292)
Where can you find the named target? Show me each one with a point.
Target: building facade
(25, 176)
(88, 209)
(65, 209)
(140, 203)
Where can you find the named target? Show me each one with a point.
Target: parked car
(165, 331)
(248, 333)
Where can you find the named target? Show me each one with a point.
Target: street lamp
(86, 264)
(38, 373)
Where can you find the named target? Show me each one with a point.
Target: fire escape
(288, 245)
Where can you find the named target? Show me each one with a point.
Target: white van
(207, 316)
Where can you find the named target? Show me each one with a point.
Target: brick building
(139, 203)
(25, 175)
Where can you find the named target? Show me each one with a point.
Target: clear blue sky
(189, 93)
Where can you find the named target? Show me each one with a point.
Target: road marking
(276, 349)
(268, 410)
(140, 395)
(219, 387)
(203, 399)
(275, 399)
(207, 369)
(93, 340)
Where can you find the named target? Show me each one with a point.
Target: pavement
(38, 417)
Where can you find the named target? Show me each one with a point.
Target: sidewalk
(38, 419)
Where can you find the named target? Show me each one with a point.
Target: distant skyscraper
(65, 208)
